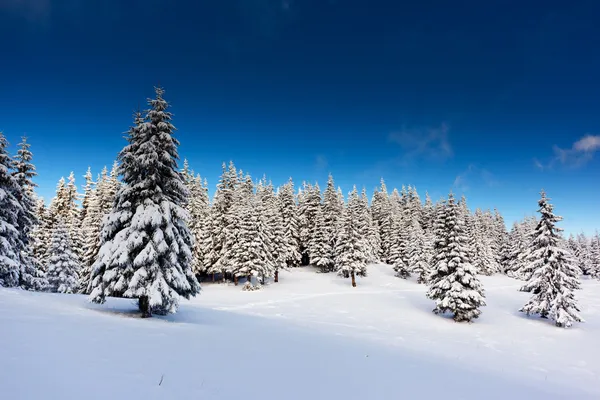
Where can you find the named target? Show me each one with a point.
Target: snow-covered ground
(311, 336)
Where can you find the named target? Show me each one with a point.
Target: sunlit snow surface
(311, 336)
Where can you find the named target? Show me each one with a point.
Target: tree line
(148, 230)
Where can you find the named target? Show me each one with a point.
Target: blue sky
(493, 99)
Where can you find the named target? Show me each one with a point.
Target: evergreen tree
(145, 252)
(382, 217)
(350, 260)
(595, 256)
(251, 253)
(63, 263)
(10, 210)
(454, 283)
(419, 254)
(554, 277)
(289, 215)
(87, 192)
(215, 249)
(309, 202)
(31, 276)
(332, 211)
(397, 253)
(274, 230)
(320, 245)
(484, 259)
(41, 235)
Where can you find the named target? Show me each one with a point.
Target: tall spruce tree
(289, 214)
(31, 276)
(10, 210)
(555, 277)
(350, 259)
(145, 252)
(63, 263)
(454, 283)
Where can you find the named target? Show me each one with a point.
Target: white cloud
(581, 152)
(474, 175)
(426, 142)
(321, 162)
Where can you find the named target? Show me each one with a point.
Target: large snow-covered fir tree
(63, 263)
(31, 276)
(350, 255)
(10, 209)
(454, 283)
(555, 277)
(309, 201)
(146, 244)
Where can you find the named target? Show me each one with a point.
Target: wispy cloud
(32, 10)
(424, 142)
(474, 175)
(580, 153)
(321, 162)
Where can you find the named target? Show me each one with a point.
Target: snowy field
(311, 336)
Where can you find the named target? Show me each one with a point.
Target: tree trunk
(249, 279)
(353, 279)
(276, 276)
(213, 277)
(144, 305)
(235, 280)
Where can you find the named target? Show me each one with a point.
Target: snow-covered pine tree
(555, 277)
(198, 210)
(368, 229)
(350, 259)
(595, 256)
(289, 215)
(31, 276)
(41, 234)
(90, 230)
(63, 263)
(308, 203)
(87, 192)
(214, 248)
(320, 244)
(381, 214)
(419, 252)
(251, 253)
(428, 214)
(398, 249)
(10, 209)
(145, 252)
(484, 260)
(583, 255)
(332, 211)
(72, 218)
(454, 283)
(275, 229)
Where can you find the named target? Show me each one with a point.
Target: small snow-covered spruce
(555, 277)
(288, 209)
(63, 263)
(145, 252)
(397, 254)
(320, 245)
(418, 252)
(32, 276)
(381, 214)
(454, 283)
(350, 259)
(10, 209)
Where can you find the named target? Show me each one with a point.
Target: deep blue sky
(489, 98)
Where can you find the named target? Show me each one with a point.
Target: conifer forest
(146, 229)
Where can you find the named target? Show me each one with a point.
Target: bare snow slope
(311, 336)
